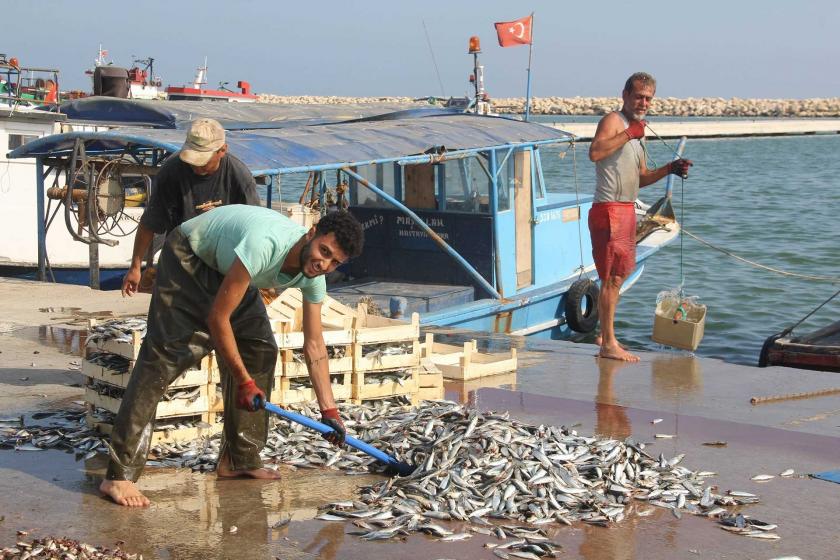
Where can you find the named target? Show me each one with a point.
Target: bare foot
(124, 493)
(616, 352)
(600, 341)
(223, 470)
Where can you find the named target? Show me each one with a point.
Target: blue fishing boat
(461, 223)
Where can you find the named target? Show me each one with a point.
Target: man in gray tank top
(620, 169)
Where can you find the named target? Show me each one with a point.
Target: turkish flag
(514, 33)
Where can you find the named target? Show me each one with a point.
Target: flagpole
(528, 86)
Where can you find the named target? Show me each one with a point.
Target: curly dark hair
(347, 229)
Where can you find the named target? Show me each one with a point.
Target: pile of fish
(52, 430)
(470, 467)
(65, 549)
(117, 329)
(296, 383)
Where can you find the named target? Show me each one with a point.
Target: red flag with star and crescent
(516, 32)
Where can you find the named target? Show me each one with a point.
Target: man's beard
(305, 253)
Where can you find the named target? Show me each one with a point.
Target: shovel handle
(322, 429)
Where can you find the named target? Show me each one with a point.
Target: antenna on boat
(434, 61)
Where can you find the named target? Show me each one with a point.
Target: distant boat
(197, 91)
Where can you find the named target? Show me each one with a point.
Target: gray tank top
(617, 175)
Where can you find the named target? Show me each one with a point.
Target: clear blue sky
(717, 48)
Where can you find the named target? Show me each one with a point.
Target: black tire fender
(581, 306)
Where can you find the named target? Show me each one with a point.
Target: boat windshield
(457, 185)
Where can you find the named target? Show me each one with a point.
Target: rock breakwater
(664, 106)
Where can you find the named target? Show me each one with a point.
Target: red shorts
(612, 227)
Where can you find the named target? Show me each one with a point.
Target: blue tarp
(831, 476)
(268, 152)
(178, 114)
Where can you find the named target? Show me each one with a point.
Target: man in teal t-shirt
(206, 296)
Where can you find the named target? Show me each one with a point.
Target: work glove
(636, 130)
(680, 167)
(330, 417)
(249, 396)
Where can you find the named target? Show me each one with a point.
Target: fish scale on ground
(470, 466)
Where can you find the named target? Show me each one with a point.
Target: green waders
(177, 338)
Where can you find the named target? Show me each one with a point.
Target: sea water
(772, 200)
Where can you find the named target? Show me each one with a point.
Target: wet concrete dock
(192, 516)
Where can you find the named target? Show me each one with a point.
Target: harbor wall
(662, 106)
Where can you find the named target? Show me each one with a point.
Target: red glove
(249, 396)
(330, 417)
(635, 130)
(680, 167)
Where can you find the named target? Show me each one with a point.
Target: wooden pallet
(373, 329)
(466, 362)
(362, 363)
(283, 394)
(159, 436)
(165, 409)
(363, 391)
(206, 373)
(288, 366)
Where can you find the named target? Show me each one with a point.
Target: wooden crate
(160, 436)
(430, 393)
(462, 391)
(128, 350)
(283, 394)
(466, 362)
(206, 373)
(288, 366)
(165, 409)
(362, 363)
(430, 379)
(372, 329)
(288, 307)
(289, 335)
(365, 391)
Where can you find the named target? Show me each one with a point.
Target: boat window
(505, 179)
(383, 176)
(18, 140)
(466, 186)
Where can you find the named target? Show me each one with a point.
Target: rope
(817, 278)
(682, 237)
(581, 268)
(802, 320)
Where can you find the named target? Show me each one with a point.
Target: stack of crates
(186, 411)
(386, 357)
(291, 376)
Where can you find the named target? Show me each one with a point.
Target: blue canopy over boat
(297, 148)
(233, 116)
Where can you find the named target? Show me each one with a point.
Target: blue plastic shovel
(393, 466)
